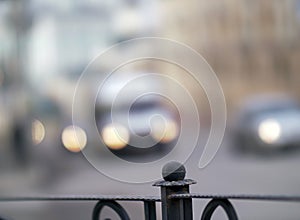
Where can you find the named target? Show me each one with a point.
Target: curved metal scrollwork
(214, 204)
(113, 205)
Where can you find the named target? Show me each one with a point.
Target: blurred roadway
(226, 174)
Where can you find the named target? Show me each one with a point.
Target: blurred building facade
(253, 46)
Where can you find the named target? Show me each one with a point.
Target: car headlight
(115, 136)
(269, 131)
(165, 132)
(74, 138)
(37, 132)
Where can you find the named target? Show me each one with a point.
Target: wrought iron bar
(214, 204)
(111, 204)
(174, 183)
(150, 210)
(78, 198)
(283, 198)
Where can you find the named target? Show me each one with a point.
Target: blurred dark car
(268, 124)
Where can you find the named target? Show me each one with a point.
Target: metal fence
(175, 198)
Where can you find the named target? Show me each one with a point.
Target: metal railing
(175, 199)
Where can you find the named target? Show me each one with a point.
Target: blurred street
(227, 174)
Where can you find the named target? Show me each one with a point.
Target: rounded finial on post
(173, 171)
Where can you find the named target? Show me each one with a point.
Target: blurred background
(253, 47)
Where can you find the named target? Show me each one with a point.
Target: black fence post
(150, 210)
(174, 183)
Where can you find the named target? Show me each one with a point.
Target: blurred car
(52, 123)
(268, 124)
(149, 124)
